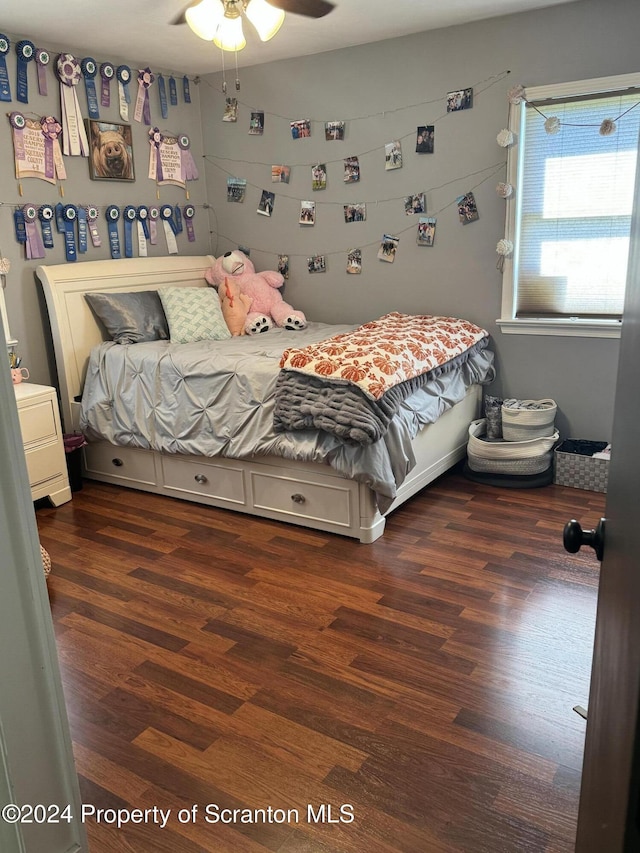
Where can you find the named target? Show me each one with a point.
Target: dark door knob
(574, 537)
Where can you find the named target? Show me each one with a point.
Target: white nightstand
(43, 444)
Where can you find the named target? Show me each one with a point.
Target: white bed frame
(307, 494)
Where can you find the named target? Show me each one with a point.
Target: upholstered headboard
(74, 328)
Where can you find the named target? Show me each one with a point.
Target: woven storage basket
(520, 423)
(534, 465)
(484, 449)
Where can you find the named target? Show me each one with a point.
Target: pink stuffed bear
(267, 305)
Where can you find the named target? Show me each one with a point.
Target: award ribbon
(129, 215)
(45, 215)
(106, 74)
(189, 212)
(154, 213)
(26, 51)
(92, 218)
(143, 110)
(113, 214)
(74, 137)
(54, 164)
(43, 58)
(185, 90)
(89, 70)
(123, 75)
(18, 123)
(142, 216)
(166, 214)
(19, 225)
(69, 215)
(188, 168)
(82, 230)
(162, 91)
(173, 92)
(178, 219)
(155, 161)
(34, 245)
(59, 217)
(5, 86)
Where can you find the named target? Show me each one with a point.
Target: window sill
(564, 328)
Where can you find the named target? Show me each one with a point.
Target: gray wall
(27, 315)
(458, 275)
(380, 83)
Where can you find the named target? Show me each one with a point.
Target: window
(570, 216)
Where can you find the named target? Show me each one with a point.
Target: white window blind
(574, 205)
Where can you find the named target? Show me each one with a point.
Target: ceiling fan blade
(308, 8)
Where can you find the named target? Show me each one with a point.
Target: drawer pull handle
(200, 478)
(298, 498)
(117, 462)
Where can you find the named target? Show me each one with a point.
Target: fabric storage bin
(522, 467)
(576, 467)
(528, 419)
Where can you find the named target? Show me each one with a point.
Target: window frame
(508, 322)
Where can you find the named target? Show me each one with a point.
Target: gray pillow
(131, 318)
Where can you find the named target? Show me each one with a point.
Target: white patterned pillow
(193, 314)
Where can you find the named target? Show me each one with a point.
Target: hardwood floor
(410, 696)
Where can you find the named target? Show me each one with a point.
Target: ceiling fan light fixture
(229, 35)
(205, 18)
(266, 19)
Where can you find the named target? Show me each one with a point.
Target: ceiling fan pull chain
(237, 78)
(224, 76)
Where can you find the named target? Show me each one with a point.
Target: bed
(306, 478)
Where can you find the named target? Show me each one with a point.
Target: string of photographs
(414, 204)
(388, 245)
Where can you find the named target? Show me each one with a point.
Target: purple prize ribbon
(154, 214)
(68, 69)
(5, 86)
(145, 79)
(188, 213)
(107, 72)
(43, 58)
(189, 171)
(51, 130)
(26, 51)
(92, 218)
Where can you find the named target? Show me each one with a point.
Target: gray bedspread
(216, 398)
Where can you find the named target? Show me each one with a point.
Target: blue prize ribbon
(173, 92)
(186, 94)
(178, 216)
(20, 226)
(70, 215)
(60, 217)
(129, 215)
(162, 91)
(143, 216)
(89, 70)
(26, 51)
(5, 86)
(113, 214)
(46, 215)
(83, 241)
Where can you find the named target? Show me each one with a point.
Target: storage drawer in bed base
(306, 494)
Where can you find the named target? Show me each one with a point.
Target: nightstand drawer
(38, 423)
(43, 463)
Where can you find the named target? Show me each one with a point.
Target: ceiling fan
(306, 8)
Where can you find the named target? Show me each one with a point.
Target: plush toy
(267, 305)
(235, 306)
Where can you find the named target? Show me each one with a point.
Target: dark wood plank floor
(410, 696)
